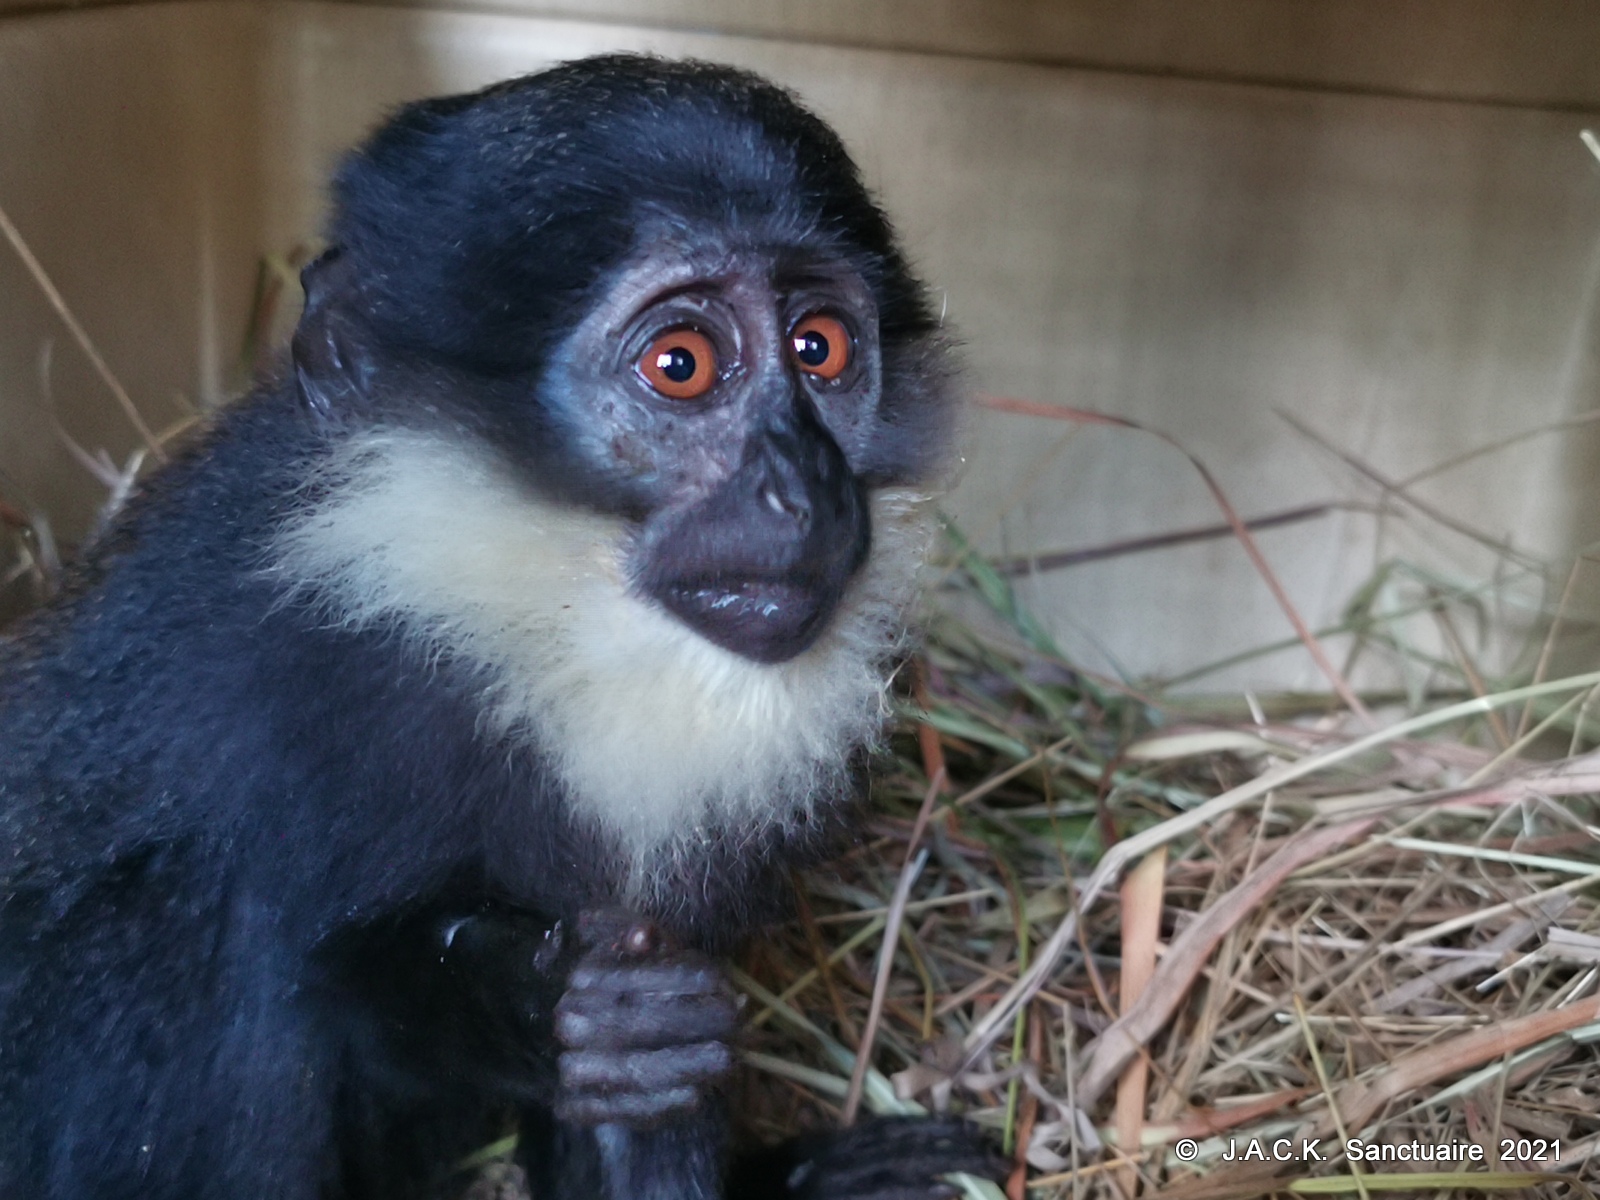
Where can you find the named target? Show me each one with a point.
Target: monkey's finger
(586, 1022)
(634, 1109)
(645, 1070)
(671, 975)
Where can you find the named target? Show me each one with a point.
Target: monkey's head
(662, 290)
(651, 308)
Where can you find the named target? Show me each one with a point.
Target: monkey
(415, 743)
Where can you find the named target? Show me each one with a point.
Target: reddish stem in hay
(891, 938)
(927, 736)
(1143, 890)
(14, 517)
(1190, 950)
(1017, 1181)
(1060, 412)
(1055, 560)
(819, 955)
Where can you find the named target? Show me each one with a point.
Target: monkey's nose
(783, 487)
(783, 506)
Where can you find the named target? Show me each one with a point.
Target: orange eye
(681, 365)
(821, 346)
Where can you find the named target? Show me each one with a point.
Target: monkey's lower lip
(760, 619)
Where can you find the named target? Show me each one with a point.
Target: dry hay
(1322, 932)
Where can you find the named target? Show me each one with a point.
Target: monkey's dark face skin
(402, 754)
(755, 517)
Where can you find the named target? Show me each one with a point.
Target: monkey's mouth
(761, 619)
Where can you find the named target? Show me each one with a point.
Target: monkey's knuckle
(589, 1068)
(574, 1029)
(714, 1060)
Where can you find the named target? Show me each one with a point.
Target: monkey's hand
(645, 1025)
(885, 1159)
(450, 992)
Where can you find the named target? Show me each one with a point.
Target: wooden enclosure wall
(1231, 225)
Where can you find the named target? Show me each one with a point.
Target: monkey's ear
(331, 366)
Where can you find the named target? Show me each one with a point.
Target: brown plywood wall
(1377, 221)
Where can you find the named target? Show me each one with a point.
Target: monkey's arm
(453, 993)
(605, 1024)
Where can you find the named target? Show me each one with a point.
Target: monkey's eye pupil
(821, 346)
(677, 364)
(811, 348)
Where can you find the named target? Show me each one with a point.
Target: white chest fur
(657, 734)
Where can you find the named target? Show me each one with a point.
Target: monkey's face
(731, 394)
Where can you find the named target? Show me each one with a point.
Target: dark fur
(231, 831)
